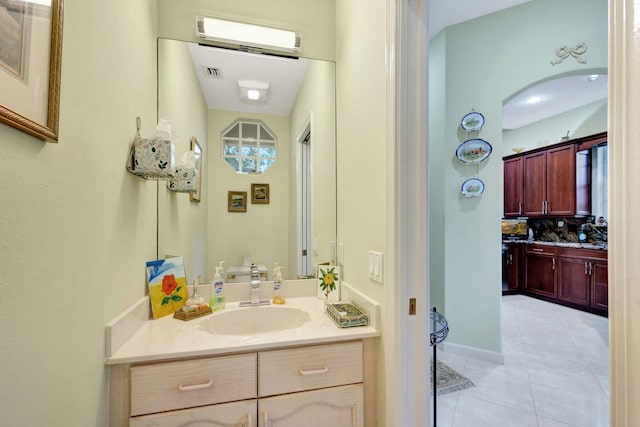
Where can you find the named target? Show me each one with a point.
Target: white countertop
(169, 338)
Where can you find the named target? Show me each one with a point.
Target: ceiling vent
(212, 72)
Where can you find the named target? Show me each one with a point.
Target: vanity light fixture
(244, 36)
(253, 90)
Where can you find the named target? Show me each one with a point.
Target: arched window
(248, 146)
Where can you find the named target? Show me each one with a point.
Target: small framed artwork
(237, 201)
(167, 285)
(30, 66)
(197, 151)
(329, 282)
(260, 194)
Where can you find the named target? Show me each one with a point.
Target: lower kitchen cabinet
(576, 277)
(600, 285)
(540, 271)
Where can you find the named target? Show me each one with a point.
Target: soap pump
(278, 297)
(217, 299)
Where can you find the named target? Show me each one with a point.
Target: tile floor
(556, 372)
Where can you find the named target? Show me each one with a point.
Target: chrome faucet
(254, 298)
(255, 285)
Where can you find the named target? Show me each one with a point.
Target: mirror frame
(49, 131)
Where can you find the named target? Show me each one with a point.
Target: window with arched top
(249, 146)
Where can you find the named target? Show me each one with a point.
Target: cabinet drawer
(177, 385)
(582, 253)
(286, 371)
(540, 249)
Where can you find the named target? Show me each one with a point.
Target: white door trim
(405, 337)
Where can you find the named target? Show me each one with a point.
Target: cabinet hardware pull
(249, 419)
(586, 268)
(265, 417)
(553, 263)
(519, 208)
(590, 269)
(314, 372)
(510, 259)
(537, 250)
(543, 207)
(196, 386)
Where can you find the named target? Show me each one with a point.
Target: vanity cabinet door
(235, 414)
(335, 407)
(534, 184)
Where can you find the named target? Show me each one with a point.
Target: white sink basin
(254, 320)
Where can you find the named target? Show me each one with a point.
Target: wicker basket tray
(347, 314)
(189, 315)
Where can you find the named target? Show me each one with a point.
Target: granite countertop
(599, 246)
(168, 338)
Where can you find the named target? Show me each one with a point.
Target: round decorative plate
(473, 150)
(472, 187)
(472, 121)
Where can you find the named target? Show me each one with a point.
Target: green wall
(484, 62)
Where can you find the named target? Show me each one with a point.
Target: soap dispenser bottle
(217, 299)
(278, 297)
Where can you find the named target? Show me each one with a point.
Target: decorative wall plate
(473, 150)
(472, 187)
(472, 121)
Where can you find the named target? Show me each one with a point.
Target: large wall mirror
(284, 141)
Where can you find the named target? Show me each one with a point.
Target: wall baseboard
(476, 353)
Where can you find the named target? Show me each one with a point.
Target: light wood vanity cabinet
(316, 385)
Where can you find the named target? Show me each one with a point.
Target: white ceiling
(285, 75)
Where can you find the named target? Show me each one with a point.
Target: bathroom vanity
(169, 372)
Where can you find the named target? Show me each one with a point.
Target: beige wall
(263, 231)
(182, 223)
(316, 103)
(362, 138)
(75, 227)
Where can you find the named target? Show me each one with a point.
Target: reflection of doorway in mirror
(304, 208)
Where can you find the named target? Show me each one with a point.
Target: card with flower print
(167, 285)
(329, 277)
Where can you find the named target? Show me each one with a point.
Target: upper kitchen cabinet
(552, 181)
(513, 187)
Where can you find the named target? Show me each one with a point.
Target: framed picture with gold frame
(260, 194)
(197, 151)
(237, 201)
(30, 64)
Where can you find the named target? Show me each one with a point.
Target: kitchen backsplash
(567, 230)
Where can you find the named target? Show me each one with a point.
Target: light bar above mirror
(240, 35)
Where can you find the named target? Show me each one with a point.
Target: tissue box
(185, 180)
(153, 158)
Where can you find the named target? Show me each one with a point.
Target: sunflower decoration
(328, 280)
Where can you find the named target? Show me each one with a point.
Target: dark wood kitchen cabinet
(583, 277)
(513, 268)
(540, 271)
(513, 187)
(576, 277)
(549, 183)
